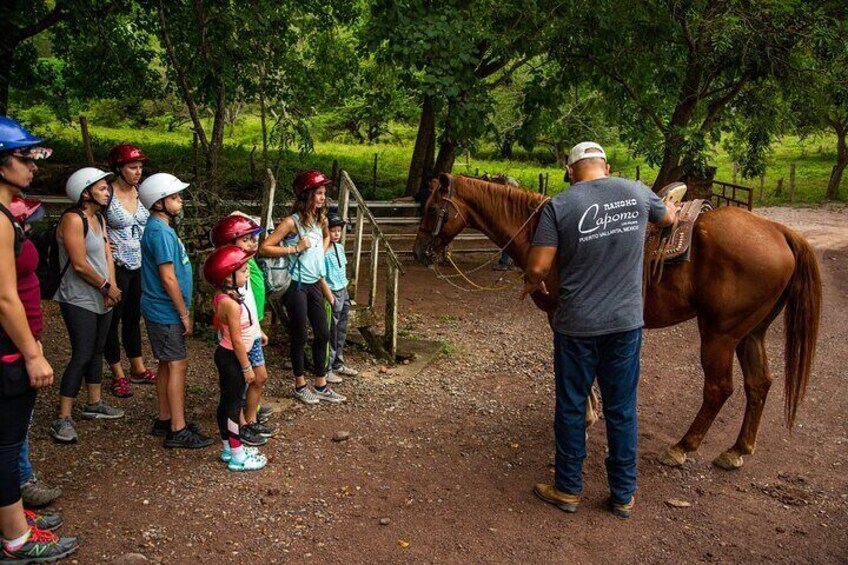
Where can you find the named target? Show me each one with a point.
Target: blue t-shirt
(598, 228)
(160, 245)
(336, 267)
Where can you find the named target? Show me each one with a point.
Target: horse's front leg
(717, 362)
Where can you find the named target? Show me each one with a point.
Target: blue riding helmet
(15, 137)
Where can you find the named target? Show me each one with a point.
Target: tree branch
(56, 15)
(607, 69)
(716, 106)
(182, 79)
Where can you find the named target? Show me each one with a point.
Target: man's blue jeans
(614, 360)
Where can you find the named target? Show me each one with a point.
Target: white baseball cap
(586, 150)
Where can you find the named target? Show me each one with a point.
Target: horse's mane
(502, 200)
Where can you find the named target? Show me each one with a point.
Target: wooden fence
(388, 341)
(729, 194)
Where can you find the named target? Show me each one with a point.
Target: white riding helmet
(82, 179)
(158, 186)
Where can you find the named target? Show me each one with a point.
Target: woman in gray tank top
(87, 292)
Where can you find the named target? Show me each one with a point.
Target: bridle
(443, 217)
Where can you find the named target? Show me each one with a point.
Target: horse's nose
(419, 250)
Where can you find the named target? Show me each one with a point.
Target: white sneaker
(346, 371)
(329, 395)
(334, 379)
(305, 395)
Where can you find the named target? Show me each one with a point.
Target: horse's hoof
(673, 457)
(729, 461)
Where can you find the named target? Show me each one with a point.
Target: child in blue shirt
(336, 263)
(166, 285)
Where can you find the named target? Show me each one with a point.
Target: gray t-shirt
(598, 228)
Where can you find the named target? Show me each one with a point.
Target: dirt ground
(439, 466)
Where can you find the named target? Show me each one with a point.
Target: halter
(443, 215)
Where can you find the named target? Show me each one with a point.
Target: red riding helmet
(125, 153)
(309, 180)
(223, 263)
(26, 210)
(233, 227)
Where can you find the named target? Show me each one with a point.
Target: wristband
(104, 288)
(184, 316)
(247, 369)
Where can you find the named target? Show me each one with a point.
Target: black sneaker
(265, 430)
(264, 413)
(41, 547)
(161, 428)
(186, 439)
(43, 520)
(251, 437)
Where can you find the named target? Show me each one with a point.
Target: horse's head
(444, 217)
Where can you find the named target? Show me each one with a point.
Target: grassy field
(171, 151)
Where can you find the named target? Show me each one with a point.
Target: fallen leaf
(678, 503)
(403, 543)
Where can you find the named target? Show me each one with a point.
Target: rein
(464, 275)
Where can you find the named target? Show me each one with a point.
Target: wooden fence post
(779, 190)
(547, 182)
(344, 205)
(391, 308)
(762, 185)
(735, 171)
(357, 250)
(86, 141)
(374, 175)
(269, 188)
(375, 265)
(541, 183)
(792, 183)
(638, 173)
(335, 176)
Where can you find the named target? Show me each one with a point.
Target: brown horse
(744, 270)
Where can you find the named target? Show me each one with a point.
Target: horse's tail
(803, 308)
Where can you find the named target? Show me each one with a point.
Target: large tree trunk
(841, 164)
(447, 155)
(424, 144)
(670, 169)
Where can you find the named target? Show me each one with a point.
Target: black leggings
(231, 383)
(87, 331)
(17, 399)
(127, 313)
(305, 302)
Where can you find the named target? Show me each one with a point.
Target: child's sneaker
(334, 379)
(101, 411)
(263, 414)
(329, 395)
(41, 547)
(346, 371)
(63, 430)
(227, 455)
(264, 430)
(305, 395)
(43, 521)
(251, 437)
(252, 462)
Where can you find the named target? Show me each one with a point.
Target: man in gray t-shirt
(596, 234)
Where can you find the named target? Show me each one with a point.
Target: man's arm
(539, 264)
(670, 214)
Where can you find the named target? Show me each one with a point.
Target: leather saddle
(672, 244)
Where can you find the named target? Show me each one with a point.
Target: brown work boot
(623, 510)
(562, 500)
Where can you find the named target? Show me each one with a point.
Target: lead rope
(464, 275)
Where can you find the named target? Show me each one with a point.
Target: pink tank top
(248, 330)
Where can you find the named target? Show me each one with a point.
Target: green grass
(171, 151)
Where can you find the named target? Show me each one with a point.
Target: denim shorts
(255, 355)
(167, 341)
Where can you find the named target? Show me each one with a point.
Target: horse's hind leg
(717, 362)
(752, 356)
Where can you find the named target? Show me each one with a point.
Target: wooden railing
(348, 193)
(728, 194)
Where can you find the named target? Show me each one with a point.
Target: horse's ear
(444, 181)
